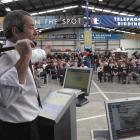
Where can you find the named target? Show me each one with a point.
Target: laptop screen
(124, 118)
(78, 78)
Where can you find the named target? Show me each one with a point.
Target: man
(19, 105)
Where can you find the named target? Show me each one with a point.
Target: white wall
(130, 45)
(113, 44)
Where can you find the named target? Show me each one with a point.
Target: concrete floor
(92, 115)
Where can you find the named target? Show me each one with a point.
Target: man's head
(19, 24)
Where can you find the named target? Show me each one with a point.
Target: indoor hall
(89, 27)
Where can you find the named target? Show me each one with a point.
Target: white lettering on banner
(135, 24)
(123, 19)
(51, 21)
(71, 21)
(131, 19)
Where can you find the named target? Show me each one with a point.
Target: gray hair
(14, 18)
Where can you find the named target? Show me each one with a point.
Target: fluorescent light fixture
(91, 8)
(131, 14)
(107, 11)
(8, 1)
(43, 12)
(59, 9)
(34, 14)
(50, 11)
(114, 12)
(98, 9)
(55, 10)
(70, 7)
(7, 9)
(100, 0)
(83, 6)
(124, 14)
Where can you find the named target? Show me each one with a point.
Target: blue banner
(102, 36)
(115, 21)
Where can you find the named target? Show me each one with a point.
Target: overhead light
(43, 12)
(114, 12)
(107, 11)
(98, 9)
(55, 10)
(7, 1)
(7, 9)
(70, 7)
(131, 14)
(59, 9)
(91, 8)
(50, 11)
(100, 0)
(34, 14)
(124, 14)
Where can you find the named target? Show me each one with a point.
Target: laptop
(77, 80)
(123, 116)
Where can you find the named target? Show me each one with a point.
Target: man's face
(29, 30)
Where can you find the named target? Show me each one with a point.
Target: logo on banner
(95, 21)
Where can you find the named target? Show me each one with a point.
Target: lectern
(57, 120)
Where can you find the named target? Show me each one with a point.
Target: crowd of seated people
(55, 65)
(109, 69)
(124, 69)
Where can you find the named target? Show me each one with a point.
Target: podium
(57, 119)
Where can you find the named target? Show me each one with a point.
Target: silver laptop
(123, 116)
(78, 79)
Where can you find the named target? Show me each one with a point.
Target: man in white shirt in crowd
(19, 105)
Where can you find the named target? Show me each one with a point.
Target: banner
(115, 21)
(102, 36)
(57, 36)
(1, 23)
(88, 38)
(59, 21)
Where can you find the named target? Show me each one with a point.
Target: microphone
(7, 49)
